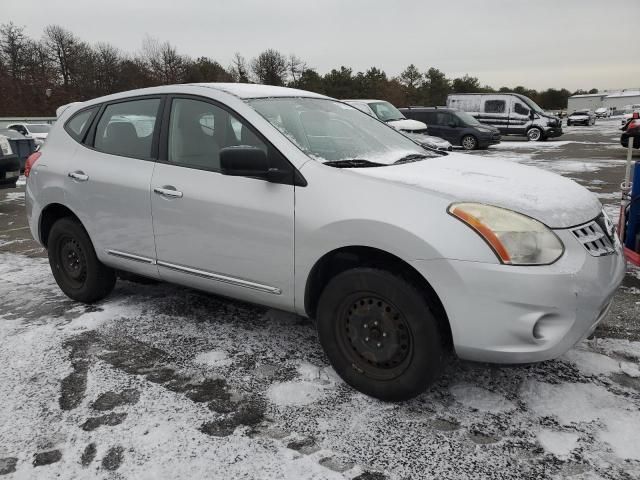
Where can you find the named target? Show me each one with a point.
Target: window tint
(520, 109)
(199, 130)
(126, 128)
(77, 125)
(494, 106)
(443, 118)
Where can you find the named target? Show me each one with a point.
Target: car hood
(407, 124)
(550, 198)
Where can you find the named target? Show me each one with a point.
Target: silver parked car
(299, 202)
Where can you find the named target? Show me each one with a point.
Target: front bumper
(488, 140)
(520, 314)
(551, 132)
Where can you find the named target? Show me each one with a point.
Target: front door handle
(79, 175)
(168, 191)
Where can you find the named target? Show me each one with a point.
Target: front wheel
(379, 333)
(77, 270)
(534, 134)
(469, 142)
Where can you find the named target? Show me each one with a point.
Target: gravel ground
(160, 381)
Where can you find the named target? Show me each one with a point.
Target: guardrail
(4, 121)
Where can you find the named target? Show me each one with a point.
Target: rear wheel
(77, 270)
(379, 334)
(534, 134)
(469, 142)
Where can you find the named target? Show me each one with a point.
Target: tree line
(38, 75)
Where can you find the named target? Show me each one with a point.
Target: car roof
(251, 90)
(364, 100)
(444, 109)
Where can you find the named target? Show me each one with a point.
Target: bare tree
(239, 69)
(13, 44)
(63, 49)
(270, 67)
(108, 67)
(295, 67)
(164, 62)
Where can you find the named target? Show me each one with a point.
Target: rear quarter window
(78, 125)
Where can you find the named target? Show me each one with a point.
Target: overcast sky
(536, 43)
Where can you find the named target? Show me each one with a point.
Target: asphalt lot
(160, 381)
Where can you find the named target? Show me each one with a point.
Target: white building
(615, 100)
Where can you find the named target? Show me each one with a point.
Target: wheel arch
(343, 258)
(50, 215)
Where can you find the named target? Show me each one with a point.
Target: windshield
(534, 106)
(330, 131)
(467, 119)
(39, 128)
(385, 111)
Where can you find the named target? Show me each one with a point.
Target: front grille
(594, 239)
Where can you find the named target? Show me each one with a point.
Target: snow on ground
(160, 381)
(13, 197)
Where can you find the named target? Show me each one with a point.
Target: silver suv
(303, 203)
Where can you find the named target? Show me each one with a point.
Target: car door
(519, 117)
(108, 179)
(231, 235)
(447, 127)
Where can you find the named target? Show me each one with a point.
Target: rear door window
(443, 118)
(495, 106)
(126, 128)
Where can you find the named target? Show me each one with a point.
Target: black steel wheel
(77, 270)
(379, 333)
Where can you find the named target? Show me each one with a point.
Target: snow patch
(213, 358)
(622, 435)
(591, 363)
(478, 398)
(293, 394)
(559, 444)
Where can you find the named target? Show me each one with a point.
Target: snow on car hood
(407, 124)
(550, 198)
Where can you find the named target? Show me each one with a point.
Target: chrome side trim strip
(131, 256)
(221, 278)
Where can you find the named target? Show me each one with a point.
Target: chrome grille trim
(594, 239)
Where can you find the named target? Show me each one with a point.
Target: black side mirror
(245, 161)
(532, 115)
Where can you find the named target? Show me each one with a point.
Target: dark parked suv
(457, 127)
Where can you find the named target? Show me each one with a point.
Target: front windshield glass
(39, 128)
(467, 119)
(385, 111)
(330, 131)
(534, 106)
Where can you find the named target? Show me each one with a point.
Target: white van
(511, 113)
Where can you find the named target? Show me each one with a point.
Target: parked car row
(37, 131)
(581, 117)
(417, 131)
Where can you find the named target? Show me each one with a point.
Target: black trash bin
(21, 145)
(9, 168)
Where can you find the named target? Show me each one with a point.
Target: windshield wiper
(413, 157)
(394, 119)
(353, 163)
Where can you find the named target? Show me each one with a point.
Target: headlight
(515, 238)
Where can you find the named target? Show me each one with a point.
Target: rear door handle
(79, 175)
(168, 191)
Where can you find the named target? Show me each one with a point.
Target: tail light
(31, 161)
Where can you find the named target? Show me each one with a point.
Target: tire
(469, 142)
(534, 134)
(380, 334)
(77, 270)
